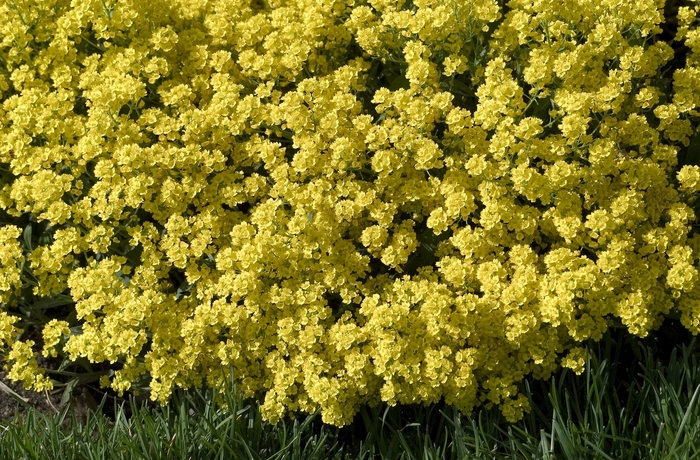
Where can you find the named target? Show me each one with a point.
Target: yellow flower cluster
(346, 201)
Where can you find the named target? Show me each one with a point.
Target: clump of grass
(636, 399)
(192, 426)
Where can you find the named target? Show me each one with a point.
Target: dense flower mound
(344, 201)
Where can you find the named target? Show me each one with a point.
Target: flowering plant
(346, 201)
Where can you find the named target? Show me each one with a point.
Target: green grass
(637, 399)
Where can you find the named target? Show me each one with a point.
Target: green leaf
(540, 109)
(692, 154)
(28, 237)
(58, 300)
(463, 89)
(400, 82)
(68, 390)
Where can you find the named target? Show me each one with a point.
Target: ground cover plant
(348, 203)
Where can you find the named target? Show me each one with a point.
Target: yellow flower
(575, 360)
(689, 178)
(52, 333)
